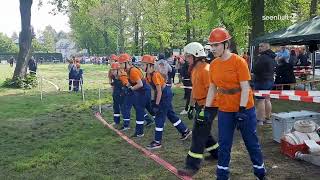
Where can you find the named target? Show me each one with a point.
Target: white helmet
(195, 49)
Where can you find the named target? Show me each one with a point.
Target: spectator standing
(11, 61)
(32, 64)
(293, 60)
(263, 71)
(303, 58)
(284, 74)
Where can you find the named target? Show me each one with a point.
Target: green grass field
(59, 138)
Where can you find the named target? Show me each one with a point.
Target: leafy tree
(7, 45)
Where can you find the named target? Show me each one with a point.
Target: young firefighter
(201, 132)
(77, 75)
(162, 106)
(138, 95)
(71, 66)
(113, 58)
(119, 80)
(229, 84)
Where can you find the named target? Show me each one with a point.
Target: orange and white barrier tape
(310, 99)
(290, 92)
(304, 96)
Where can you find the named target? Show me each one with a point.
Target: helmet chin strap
(224, 49)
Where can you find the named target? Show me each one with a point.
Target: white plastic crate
(284, 121)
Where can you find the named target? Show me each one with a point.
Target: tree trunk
(313, 8)
(187, 3)
(25, 39)
(121, 39)
(106, 42)
(121, 19)
(142, 42)
(136, 34)
(257, 9)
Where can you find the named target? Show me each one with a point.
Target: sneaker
(124, 128)
(148, 124)
(259, 123)
(268, 121)
(185, 135)
(184, 112)
(297, 155)
(263, 178)
(187, 172)
(154, 145)
(137, 135)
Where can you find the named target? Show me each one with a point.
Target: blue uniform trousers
(166, 110)
(226, 126)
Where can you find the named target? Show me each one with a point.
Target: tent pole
(251, 57)
(313, 60)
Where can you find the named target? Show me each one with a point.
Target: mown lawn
(59, 138)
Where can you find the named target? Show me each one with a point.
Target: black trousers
(201, 140)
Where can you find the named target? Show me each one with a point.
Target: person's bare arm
(245, 88)
(138, 85)
(211, 93)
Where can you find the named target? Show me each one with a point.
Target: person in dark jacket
(303, 58)
(263, 70)
(293, 60)
(32, 64)
(186, 81)
(285, 74)
(77, 74)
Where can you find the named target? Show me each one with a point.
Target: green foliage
(7, 45)
(30, 81)
(106, 26)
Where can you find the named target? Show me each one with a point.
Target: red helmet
(148, 59)
(218, 35)
(124, 58)
(114, 57)
(115, 66)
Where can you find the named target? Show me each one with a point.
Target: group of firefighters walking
(220, 88)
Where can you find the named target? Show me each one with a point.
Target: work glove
(153, 102)
(127, 90)
(155, 108)
(241, 117)
(191, 113)
(210, 112)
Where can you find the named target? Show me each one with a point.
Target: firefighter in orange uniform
(201, 136)
(162, 106)
(138, 93)
(229, 84)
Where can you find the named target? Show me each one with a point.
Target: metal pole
(82, 90)
(100, 100)
(313, 59)
(72, 84)
(251, 57)
(41, 93)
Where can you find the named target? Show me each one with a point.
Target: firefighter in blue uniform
(138, 93)
(162, 105)
(119, 80)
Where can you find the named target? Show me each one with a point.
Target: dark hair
(292, 53)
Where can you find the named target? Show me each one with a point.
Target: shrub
(28, 82)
